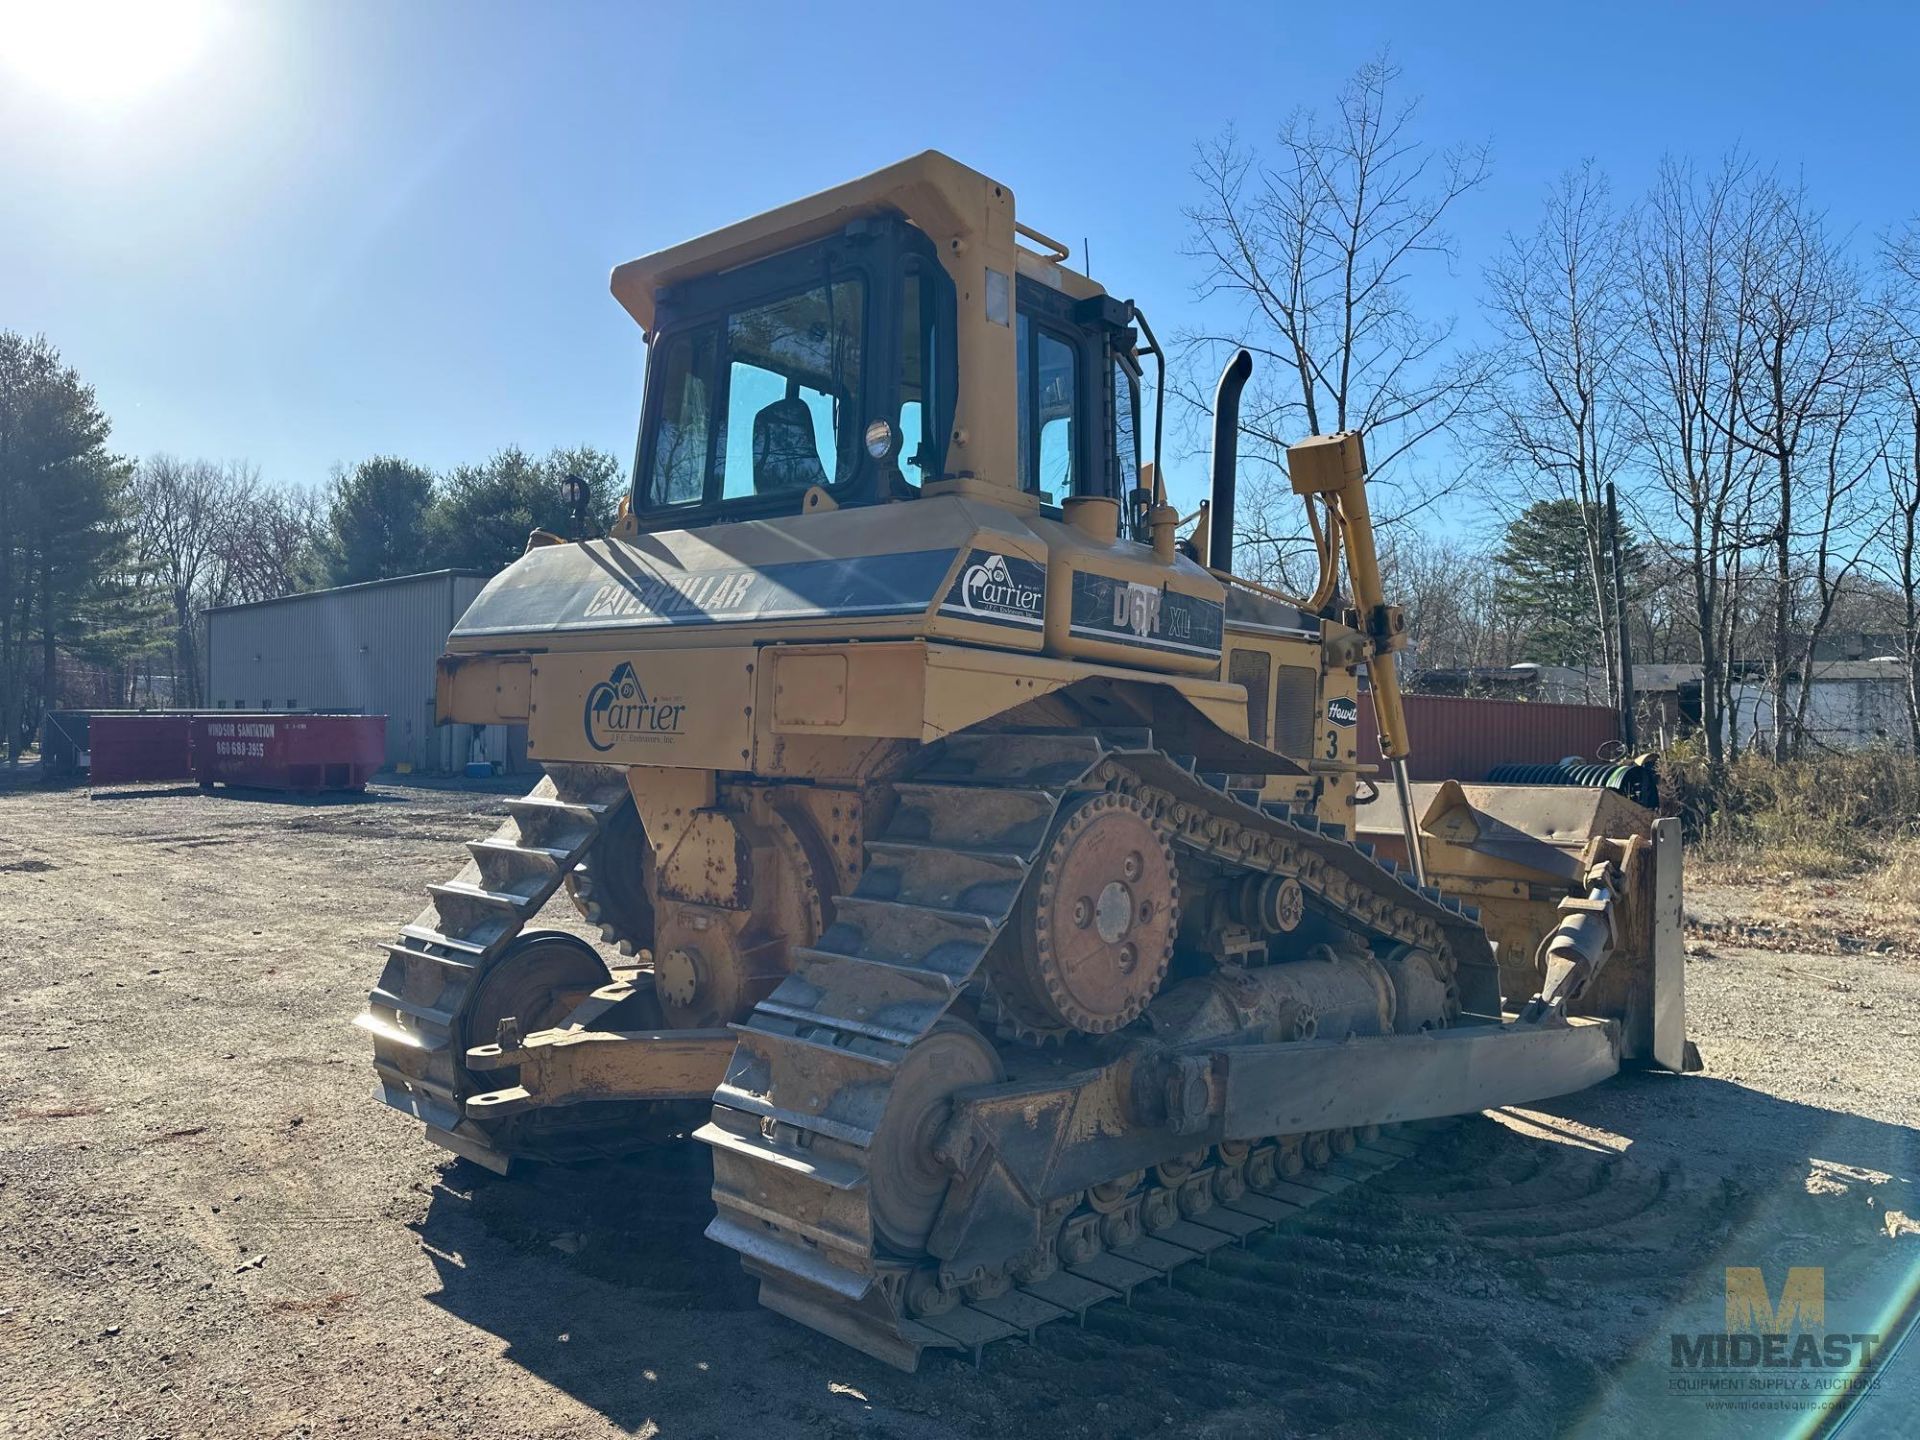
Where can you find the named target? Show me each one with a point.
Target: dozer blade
(1383, 1080)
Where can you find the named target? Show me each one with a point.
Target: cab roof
(961, 209)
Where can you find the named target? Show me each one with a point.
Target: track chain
(417, 1013)
(796, 1114)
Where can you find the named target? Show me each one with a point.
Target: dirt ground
(208, 1227)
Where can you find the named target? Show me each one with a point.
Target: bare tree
(1454, 618)
(1807, 343)
(1684, 393)
(208, 534)
(266, 545)
(1558, 300)
(182, 509)
(1898, 310)
(1311, 249)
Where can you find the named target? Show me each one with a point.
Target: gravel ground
(209, 1228)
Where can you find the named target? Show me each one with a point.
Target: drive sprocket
(609, 887)
(1096, 927)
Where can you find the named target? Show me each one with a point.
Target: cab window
(919, 381)
(1048, 380)
(763, 402)
(793, 384)
(1057, 390)
(1126, 430)
(684, 438)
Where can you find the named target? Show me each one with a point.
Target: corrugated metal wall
(1463, 739)
(369, 648)
(1850, 714)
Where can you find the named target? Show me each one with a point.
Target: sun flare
(99, 52)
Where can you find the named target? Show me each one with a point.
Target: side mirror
(579, 497)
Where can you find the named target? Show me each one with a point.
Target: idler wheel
(906, 1181)
(537, 980)
(1094, 932)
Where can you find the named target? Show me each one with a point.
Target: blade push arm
(1334, 468)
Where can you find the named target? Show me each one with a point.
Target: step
(841, 989)
(951, 817)
(503, 860)
(893, 1034)
(540, 819)
(950, 941)
(437, 1113)
(982, 882)
(899, 1003)
(425, 1014)
(511, 901)
(427, 935)
(399, 951)
(998, 759)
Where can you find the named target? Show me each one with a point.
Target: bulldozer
(984, 871)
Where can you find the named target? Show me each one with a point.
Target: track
(805, 1105)
(423, 1011)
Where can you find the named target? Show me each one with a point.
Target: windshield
(764, 401)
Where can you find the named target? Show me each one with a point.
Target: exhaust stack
(1226, 456)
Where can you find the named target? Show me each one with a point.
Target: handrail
(1060, 252)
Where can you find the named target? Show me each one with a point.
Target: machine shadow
(598, 1278)
(596, 1275)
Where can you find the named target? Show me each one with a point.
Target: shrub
(1826, 815)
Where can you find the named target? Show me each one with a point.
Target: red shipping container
(133, 748)
(289, 752)
(1463, 738)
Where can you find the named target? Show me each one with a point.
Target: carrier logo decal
(619, 708)
(1131, 613)
(1342, 711)
(999, 589)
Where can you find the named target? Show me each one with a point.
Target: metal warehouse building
(369, 648)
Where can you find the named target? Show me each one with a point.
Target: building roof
(413, 579)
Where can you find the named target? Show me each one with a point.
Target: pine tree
(376, 523)
(62, 529)
(483, 513)
(1545, 585)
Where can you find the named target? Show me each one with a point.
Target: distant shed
(366, 648)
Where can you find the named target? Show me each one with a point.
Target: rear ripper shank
(985, 863)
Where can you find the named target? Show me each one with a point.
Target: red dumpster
(134, 748)
(289, 752)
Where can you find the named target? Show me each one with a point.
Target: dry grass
(1832, 816)
(1833, 842)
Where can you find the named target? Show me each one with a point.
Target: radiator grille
(1252, 669)
(1296, 697)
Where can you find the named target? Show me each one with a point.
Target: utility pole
(1628, 730)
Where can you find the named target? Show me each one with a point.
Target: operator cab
(833, 365)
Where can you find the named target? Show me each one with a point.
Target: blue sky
(301, 235)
